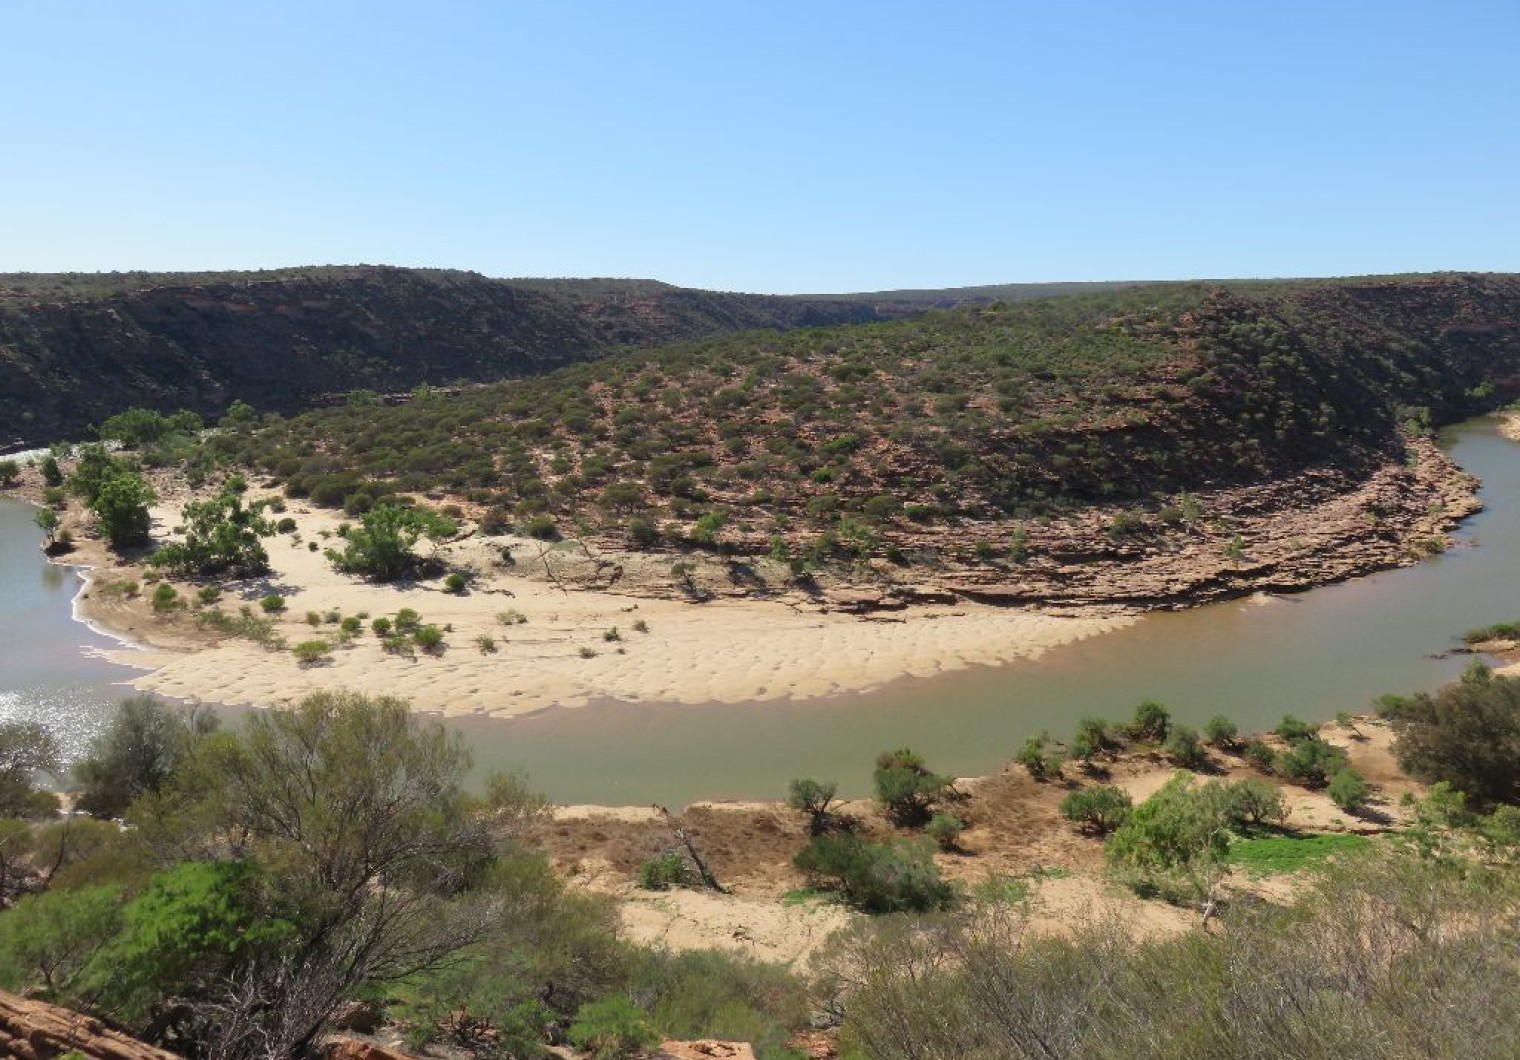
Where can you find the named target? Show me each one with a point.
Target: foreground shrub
(1467, 734)
(664, 872)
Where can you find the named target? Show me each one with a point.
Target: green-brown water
(1312, 654)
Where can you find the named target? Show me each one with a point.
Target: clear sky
(779, 146)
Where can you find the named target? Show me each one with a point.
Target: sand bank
(722, 651)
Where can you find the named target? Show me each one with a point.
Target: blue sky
(779, 147)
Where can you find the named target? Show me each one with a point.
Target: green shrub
(407, 620)
(454, 583)
(1035, 755)
(311, 652)
(272, 604)
(286, 525)
(166, 598)
(612, 1028)
(1311, 762)
(209, 594)
(1220, 731)
(906, 787)
(1099, 810)
(1467, 734)
(664, 872)
(877, 877)
(1151, 722)
(1184, 748)
(1294, 729)
(352, 625)
(1252, 802)
(1348, 790)
(429, 638)
(486, 643)
(945, 829)
(381, 626)
(1260, 754)
(542, 527)
(813, 798)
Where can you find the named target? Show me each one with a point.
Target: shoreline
(581, 645)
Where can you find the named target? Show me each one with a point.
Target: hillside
(1057, 432)
(76, 348)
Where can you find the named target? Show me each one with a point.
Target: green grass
(1497, 631)
(807, 896)
(1272, 855)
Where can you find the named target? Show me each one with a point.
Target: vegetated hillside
(848, 442)
(76, 348)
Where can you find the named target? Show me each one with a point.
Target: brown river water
(1311, 654)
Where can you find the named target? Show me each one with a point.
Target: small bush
(429, 639)
(1311, 762)
(1220, 731)
(351, 625)
(1348, 790)
(511, 617)
(486, 643)
(273, 604)
(612, 1028)
(1151, 722)
(611, 634)
(640, 626)
(813, 797)
(585, 652)
(1099, 810)
(1184, 748)
(945, 829)
(454, 583)
(166, 598)
(313, 619)
(542, 527)
(1293, 730)
(407, 620)
(664, 872)
(286, 525)
(381, 626)
(311, 652)
(1260, 754)
(906, 787)
(1034, 755)
(208, 594)
(877, 877)
(1254, 802)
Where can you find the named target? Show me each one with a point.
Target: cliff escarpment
(76, 349)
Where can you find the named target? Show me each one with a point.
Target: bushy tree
(381, 547)
(136, 753)
(1467, 734)
(1151, 722)
(222, 536)
(813, 798)
(121, 505)
(1098, 809)
(27, 749)
(877, 877)
(906, 787)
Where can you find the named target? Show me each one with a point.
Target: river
(1312, 654)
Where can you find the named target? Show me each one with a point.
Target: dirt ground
(1014, 833)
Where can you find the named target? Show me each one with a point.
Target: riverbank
(566, 625)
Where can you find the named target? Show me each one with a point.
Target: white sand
(716, 652)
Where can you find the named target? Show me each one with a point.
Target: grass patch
(808, 896)
(1272, 855)
(1497, 631)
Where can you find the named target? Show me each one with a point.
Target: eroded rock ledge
(1314, 528)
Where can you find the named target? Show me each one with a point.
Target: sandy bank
(722, 651)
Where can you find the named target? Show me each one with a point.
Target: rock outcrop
(35, 1030)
